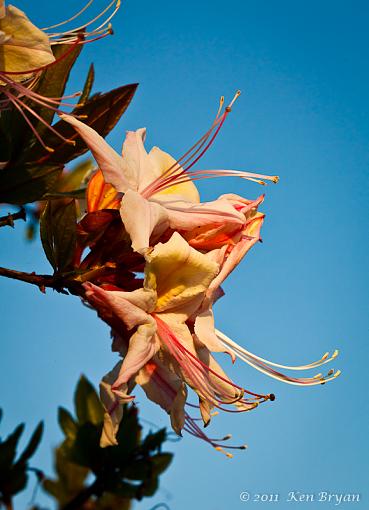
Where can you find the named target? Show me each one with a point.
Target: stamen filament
(49, 149)
(62, 36)
(262, 365)
(163, 328)
(40, 119)
(70, 19)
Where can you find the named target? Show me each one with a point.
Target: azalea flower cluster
(156, 262)
(27, 51)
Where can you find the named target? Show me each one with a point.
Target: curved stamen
(172, 176)
(322, 361)
(168, 337)
(19, 104)
(70, 19)
(49, 149)
(212, 174)
(69, 35)
(172, 172)
(37, 98)
(183, 160)
(264, 366)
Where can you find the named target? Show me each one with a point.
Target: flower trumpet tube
(159, 191)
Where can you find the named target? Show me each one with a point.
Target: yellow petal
(160, 162)
(26, 47)
(180, 275)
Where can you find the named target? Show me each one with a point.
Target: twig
(42, 281)
(9, 219)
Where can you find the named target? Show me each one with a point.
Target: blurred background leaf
(14, 472)
(95, 478)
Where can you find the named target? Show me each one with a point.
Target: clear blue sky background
(303, 70)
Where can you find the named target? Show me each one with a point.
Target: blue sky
(303, 114)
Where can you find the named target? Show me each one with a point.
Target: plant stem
(42, 281)
(9, 219)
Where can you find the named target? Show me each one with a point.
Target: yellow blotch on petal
(178, 272)
(254, 221)
(162, 161)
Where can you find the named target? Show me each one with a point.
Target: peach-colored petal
(188, 216)
(205, 333)
(166, 389)
(113, 409)
(136, 161)
(141, 219)
(130, 307)
(251, 236)
(143, 345)
(109, 161)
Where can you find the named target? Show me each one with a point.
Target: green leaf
(128, 436)
(77, 194)
(154, 441)
(75, 178)
(161, 462)
(103, 112)
(32, 444)
(87, 403)
(149, 487)
(86, 449)
(124, 490)
(138, 470)
(8, 448)
(16, 480)
(67, 423)
(70, 479)
(58, 233)
(88, 85)
(27, 183)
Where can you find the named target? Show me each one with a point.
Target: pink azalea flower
(166, 342)
(158, 191)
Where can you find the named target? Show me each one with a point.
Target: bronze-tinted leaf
(54, 79)
(102, 113)
(88, 85)
(58, 233)
(27, 183)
